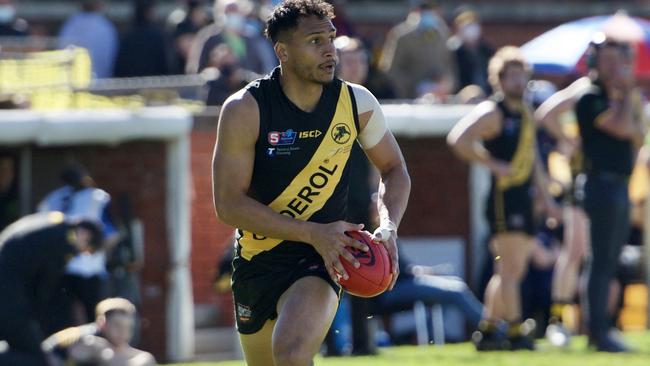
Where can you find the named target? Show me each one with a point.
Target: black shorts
(258, 284)
(511, 210)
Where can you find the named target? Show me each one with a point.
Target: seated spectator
(426, 284)
(114, 323)
(33, 253)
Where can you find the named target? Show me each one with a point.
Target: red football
(374, 275)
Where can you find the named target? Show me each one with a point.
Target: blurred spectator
(354, 66)
(9, 204)
(143, 47)
(611, 132)
(229, 28)
(33, 253)
(106, 340)
(226, 73)
(471, 51)
(86, 276)
(416, 56)
(184, 24)
(125, 261)
(10, 24)
(255, 23)
(90, 29)
(427, 284)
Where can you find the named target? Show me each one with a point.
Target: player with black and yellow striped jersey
(280, 175)
(500, 134)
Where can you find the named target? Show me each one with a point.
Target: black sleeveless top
(603, 153)
(515, 144)
(301, 158)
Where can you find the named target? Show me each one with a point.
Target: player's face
(82, 240)
(310, 51)
(118, 329)
(612, 63)
(513, 81)
(353, 66)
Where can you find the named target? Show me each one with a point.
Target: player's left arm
(395, 184)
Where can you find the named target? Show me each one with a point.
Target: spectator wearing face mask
(10, 24)
(227, 75)
(416, 56)
(471, 51)
(229, 27)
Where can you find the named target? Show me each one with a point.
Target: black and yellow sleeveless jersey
(515, 144)
(301, 158)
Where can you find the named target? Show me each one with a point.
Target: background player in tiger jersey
(285, 188)
(500, 134)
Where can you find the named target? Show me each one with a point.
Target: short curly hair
(504, 57)
(285, 16)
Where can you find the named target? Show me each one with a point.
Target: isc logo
(308, 134)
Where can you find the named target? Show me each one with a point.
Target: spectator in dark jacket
(33, 253)
(143, 48)
(471, 50)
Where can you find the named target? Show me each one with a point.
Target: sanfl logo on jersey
(287, 137)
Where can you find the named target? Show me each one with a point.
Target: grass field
(465, 355)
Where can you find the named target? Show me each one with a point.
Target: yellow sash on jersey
(524, 157)
(310, 190)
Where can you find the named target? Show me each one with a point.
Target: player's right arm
(548, 114)
(467, 136)
(232, 171)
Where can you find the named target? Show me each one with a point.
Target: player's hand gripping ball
(374, 275)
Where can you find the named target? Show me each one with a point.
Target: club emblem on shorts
(244, 313)
(341, 133)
